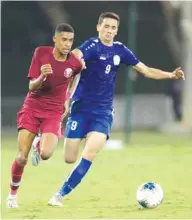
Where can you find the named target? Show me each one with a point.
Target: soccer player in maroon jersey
(50, 73)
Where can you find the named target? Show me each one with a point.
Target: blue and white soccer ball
(149, 195)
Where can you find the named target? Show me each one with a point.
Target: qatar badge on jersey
(68, 72)
(116, 60)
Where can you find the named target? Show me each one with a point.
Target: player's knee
(45, 155)
(70, 157)
(70, 154)
(70, 160)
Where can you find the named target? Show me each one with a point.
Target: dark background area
(25, 26)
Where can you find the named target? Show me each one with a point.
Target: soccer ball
(149, 195)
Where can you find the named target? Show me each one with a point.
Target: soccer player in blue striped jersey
(91, 114)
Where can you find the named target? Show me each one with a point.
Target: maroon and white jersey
(50, 97)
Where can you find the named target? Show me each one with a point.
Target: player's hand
(66, 107)
(46, 69)
(178, 74)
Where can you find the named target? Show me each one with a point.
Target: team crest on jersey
(68, 72)
(116, 60)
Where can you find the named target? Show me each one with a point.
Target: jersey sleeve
(79, 67)
(88, 48)
(128, 57)
(34, 70)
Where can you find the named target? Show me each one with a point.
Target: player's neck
(58, 56)
(106, 43)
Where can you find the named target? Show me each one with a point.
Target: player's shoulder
(74, 60)
(91, 42)
(72, 57)
(43, 50)
(121, 48)
(94, 40)
(118, 44)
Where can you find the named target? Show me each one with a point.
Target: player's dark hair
(108, 15)
(64, 27)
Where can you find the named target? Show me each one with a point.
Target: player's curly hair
(108, 15)
(64, 27)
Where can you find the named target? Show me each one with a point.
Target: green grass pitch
(109, 189)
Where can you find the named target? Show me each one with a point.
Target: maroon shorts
(26, 119)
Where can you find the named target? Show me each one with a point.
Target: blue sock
(75, 177)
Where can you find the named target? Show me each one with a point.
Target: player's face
(107, 29)
(63, 42)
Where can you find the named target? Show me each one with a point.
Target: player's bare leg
(25, 139)
(71, 149)
(43, 147)
(47, 145)
(94, 143)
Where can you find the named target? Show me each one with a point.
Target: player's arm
(86, 51)
(36, 82)
(70, 91)
(79, 55)
(72, 87)
(74, 80)
(157, 73)
(130, 59)
(37, 73)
